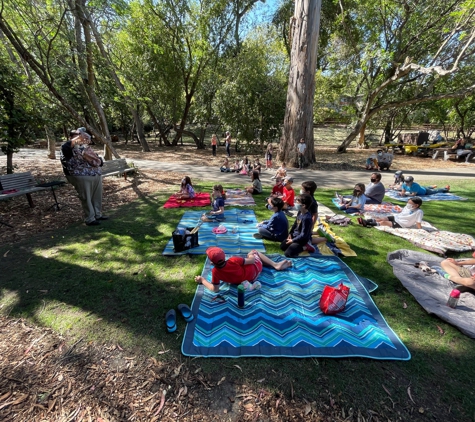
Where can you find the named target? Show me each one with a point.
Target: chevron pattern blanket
(284, 319)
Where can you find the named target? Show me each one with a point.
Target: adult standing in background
(227, 143)
(82, 168)
(375, 191)
(214, 143)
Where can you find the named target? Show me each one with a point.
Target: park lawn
(112, 285)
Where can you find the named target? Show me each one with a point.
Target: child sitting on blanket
(186, 189)
(237, 270)
(281, 172)
(301, 231)
(217, 204)
(277, 227)
(410, 216)
(355, 204)
(461, 271)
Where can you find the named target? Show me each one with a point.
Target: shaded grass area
(112, 285)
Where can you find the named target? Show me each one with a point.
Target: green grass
(112, 285)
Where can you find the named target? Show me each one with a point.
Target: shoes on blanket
(251, 286)
(367, 223)
(309, 247)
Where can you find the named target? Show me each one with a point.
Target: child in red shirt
(288, 195)
(236, 269)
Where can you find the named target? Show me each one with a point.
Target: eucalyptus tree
(398, 54)
(54, 40)
(298, 121)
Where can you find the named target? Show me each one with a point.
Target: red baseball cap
(216, 255)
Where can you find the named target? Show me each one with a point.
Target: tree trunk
(298, 121)
(181, 128)
(140, 132)
(51, 144)
(9, 162)
(361, 139)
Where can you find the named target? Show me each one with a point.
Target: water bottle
(240, 296)
(453, 298)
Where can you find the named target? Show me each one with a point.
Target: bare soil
(46, 377)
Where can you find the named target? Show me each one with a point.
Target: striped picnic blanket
(240, 225)
(283, 318)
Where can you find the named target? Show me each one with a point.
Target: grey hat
(288, 179)
(409, 179)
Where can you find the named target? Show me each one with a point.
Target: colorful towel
(381, 210)
(436, 241)
(283, 318)
(394, 194)
(239, 198)
(240, 225)
(200, 200)
(433, 290)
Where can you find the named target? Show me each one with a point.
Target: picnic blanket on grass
(394, 194)
(283, 318)
(431, 239)
(432, 291)
(381, 210)
(201, 199)
(238, 197)
(243, 222)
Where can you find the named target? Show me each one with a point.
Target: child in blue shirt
(277, 227)
(301, 231)
(355, 204)
(217, 205)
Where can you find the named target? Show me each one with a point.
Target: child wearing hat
(237, 269)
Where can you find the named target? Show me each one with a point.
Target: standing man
(301, 147)
(375, 191)
(82, 168)
(227, 143)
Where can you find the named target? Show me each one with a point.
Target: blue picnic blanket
(240, 225)
(394, 194)
(283, 318)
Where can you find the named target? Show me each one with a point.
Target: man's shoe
(362, 222)
(257, 236)
(310, 248)
(93, 223)
(102, 217)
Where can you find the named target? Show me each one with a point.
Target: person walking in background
(214, 143)
(227, 144)
(82, 168)
(301, 147)
(268, 157)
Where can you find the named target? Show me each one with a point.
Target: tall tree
(298, 121)
(398, 54)
(50, 42)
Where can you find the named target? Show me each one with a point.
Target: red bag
(334, 299)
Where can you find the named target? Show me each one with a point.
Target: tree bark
(298, 121)
(51, 144)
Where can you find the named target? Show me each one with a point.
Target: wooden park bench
(116, 168)
(16, 184)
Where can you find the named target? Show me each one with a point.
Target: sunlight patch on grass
(8, 300)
